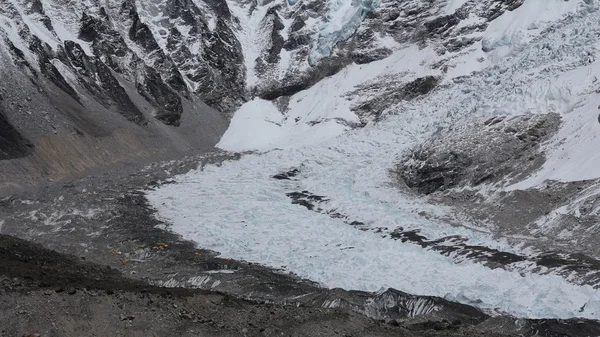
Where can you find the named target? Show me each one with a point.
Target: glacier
(238, 209)
(343, 19)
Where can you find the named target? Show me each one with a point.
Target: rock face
(12, 143)
(499, 149)
(221, 52)
(87, 84)
(168, 50)
(282, 50)
(390, 92)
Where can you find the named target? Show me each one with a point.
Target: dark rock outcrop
(100, 81)
(167, 103)
(454, 157)
(389, 93)
(12, 144)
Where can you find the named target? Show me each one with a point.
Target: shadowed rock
(12, 144)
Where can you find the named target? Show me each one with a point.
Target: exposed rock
(306, 199)
(12, 143)
(99, 80)
(140, 33)
(442, 24)
(117, 94)
(193, 47)
(287, 175)
(383, 94)
(410, 22)
(45, 54)
(276, 38)
(454, 157)
(168, 103)
(300, 81)
(18, 58)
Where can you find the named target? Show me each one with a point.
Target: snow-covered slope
(321, 198)
(289, 46)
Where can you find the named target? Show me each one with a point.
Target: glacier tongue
(344, 17)
(238, 210)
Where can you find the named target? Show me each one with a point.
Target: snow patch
(251, 35)
(9, 29)
(318, 113)
(515, 28)
(572, 155)
(258, 125)
(453, 5)
(65, 35)
(255, 126)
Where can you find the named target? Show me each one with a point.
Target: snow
(464, 66)
(209, 14)
(258, 125)
(316, 114)
(9, 29)
(237, 209)
(521, 25)
(453, 5)
(33, 21)
(39, 30)
(65, 35)
(251, 35)
(255, 126)
(507, 33)
(212, 22)
(68, 74)
(573, 155)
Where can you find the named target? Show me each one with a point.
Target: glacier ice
(238, 210)
(343, 20)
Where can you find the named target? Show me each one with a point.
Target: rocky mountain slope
(87, 84)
